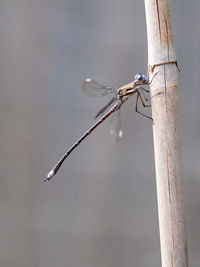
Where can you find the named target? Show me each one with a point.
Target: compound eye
(139, 77)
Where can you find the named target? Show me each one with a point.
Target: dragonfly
(93, 88)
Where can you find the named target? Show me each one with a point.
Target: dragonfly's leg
(152, 78)
(143, 89)
(142, 101)
(136, 105)
(157, 94)
(146, 90)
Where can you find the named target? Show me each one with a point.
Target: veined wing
(115, 127)
(93, 88)
(101, 111)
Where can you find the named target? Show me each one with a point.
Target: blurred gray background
(101, 209)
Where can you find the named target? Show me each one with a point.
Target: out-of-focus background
(101, 209)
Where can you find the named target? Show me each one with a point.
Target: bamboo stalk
(164, 92)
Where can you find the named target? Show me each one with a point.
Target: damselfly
(121, 95)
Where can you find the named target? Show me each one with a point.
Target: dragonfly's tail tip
(49, 176)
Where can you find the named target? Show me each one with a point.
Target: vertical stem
(164, 92)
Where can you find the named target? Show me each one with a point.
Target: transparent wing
(146, 95)
(103, 110)
(115, 127)
(93, 88)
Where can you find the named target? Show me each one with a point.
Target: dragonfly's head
(141, 79)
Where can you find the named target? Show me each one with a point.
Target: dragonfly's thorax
(128, 89)
(132, 88)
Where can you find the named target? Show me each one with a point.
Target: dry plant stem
(164, 91)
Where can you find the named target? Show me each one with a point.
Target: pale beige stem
(164, 92)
